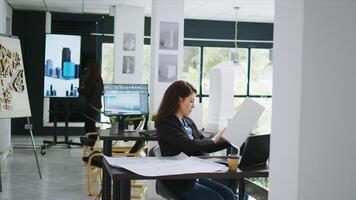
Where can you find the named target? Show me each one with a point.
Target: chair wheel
(69, 146)
(43, 152)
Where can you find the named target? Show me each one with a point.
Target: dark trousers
(89, 124)
(207, 189)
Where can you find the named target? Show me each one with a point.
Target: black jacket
(173, 140)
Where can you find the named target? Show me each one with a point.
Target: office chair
(88, 141)
(95, 163)
(161, 188)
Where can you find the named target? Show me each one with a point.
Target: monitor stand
(47, 143)
(122, 124)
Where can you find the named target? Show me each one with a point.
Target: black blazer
(173, 140)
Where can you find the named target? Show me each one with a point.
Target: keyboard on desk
(148, 133)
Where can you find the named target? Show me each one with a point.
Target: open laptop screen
(256, 151)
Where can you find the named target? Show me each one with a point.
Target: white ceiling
(250, 10)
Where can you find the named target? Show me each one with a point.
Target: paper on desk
(164, 166)
(241, 125)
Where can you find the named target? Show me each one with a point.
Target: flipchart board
(13, 90)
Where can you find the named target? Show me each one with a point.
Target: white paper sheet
(163, 166)
(244, 120)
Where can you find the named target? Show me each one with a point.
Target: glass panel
(146, 64)
(216, 55)
(261, 72)
(107, 62)
(191, 68)
(263, 182)
(264, 123)
(205, 104)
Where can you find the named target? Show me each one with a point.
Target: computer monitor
(126, 99)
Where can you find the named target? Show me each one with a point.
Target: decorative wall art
(168, 36)
(128, 66)
(167, 68)
(13, 91)
(129, 42)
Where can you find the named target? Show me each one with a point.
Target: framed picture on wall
(168, 35)
(167, 68)
(128, 65)
(129, 42)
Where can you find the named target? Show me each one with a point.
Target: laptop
(255, 151)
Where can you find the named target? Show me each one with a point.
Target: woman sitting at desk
(177, 133)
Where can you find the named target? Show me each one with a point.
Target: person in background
(92, 89)
(177, 133)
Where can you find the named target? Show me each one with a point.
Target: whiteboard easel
(14, 102)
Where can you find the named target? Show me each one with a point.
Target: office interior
(308, 92)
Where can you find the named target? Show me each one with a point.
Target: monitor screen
(61, 65)
(126, 99)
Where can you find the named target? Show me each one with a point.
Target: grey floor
(63, 175)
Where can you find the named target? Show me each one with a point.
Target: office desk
(122, 179)
(108, 137)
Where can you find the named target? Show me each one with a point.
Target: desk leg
(125, 190)
(106, 182)
(0, 179)
(116, 190)
(241, 189)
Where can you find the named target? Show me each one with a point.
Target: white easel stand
(34, 146)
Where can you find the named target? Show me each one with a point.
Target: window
(260, 84)
(107, 62)
(216, 55)
(258, 88)
(264, 122)
(191, 68)
(146, 64)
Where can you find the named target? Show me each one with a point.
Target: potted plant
(113, 120)
(130, 122)
(130, 125)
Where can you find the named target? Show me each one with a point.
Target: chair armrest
(90, 133)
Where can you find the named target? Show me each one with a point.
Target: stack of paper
(164, 166)
(243, 122)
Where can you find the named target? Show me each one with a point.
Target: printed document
(164, 166)
(244, 120)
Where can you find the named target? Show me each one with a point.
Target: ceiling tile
(250, 10)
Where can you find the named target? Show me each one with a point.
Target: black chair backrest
(137, 146)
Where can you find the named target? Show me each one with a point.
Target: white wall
(5, 124)
(313, 132)
(166, 11)
(128, 19)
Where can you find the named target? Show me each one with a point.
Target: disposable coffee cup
(233, 161)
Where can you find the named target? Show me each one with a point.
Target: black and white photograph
(128, 66)
(168, 36)
(129, 42)
(167, 68)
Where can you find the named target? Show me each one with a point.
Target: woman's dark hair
(170, 102)
(94, 69)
